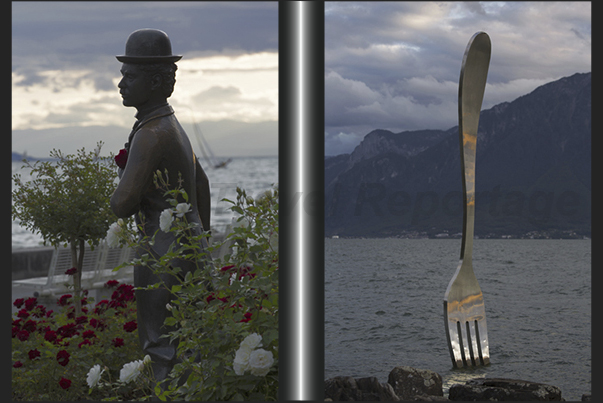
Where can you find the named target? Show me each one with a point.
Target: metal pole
(301, 187)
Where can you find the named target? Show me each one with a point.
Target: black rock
(409, 382)
(500, 389)
(346, 388)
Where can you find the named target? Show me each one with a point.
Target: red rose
(23, 335)
(30, 303)
(30, 325)
(121, 158)
(63, 357)
(71, 272)
(130, 326)
(111, 283)
(18, 302)
(65, 383)
(118, 342)
(88, 334)
(64, 300)
(50, 335)
(17, 364)
(246, 317)
(33, 354)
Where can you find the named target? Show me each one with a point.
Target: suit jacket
(158, 142)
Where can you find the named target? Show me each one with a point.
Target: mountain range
(533, 173)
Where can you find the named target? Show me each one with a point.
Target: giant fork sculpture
(464, 311)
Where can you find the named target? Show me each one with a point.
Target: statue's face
(135, 86)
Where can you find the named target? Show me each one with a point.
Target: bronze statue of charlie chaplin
(157, 142)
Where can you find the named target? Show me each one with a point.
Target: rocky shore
(412, 384)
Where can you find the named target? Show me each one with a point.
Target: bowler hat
(146, 46)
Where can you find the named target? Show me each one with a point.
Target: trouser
(152, 312)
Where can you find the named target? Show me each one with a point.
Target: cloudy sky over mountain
(65, 75)
(396, 65)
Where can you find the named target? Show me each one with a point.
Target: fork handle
(472, 84)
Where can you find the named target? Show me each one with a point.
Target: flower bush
(52, 351)
(226, 309)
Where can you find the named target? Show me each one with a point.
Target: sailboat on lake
(208, 155)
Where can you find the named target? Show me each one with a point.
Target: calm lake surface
(384, 308)
(254, 174)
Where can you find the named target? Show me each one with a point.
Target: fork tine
(482, 337)
(465, 343)
(473, 342)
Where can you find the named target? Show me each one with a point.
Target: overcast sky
(65, 74)
(396, 65)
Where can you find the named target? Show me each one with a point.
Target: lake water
(384, 308)
(254, 174)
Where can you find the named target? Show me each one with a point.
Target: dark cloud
(396, 65)
(87, 35)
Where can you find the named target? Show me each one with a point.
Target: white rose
(182, 208)
(241, 361)
(94, 375)
(260, 362)
(165, 220)
(130, 371)
(252, 341)
(113, 235)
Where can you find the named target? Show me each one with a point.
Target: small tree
(67, 202)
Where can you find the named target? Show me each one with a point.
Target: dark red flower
(227, 268)
(118, 342)
(64, 383)
(71, 272)
(87, 341)
(63, 357)
(18, 302)
(17, 364)
(30, 326)
(49, 313)
(30, 303)
(246, 317)
(40, 311)
(23, 335)
(124, 293)
(33, 354)
(50, 335)
(64, 300)
(23, 314)
(68, 330)
(122, 158)
(111, 283)
(212, 296)
(88, 334)
(130, 326)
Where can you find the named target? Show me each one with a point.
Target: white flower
(146, 360)
(260, 362)
(113, 234)
(241, 361)
(130, 371)
(252, 341)
(94, 375)
(182, 208)
(165, 220)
